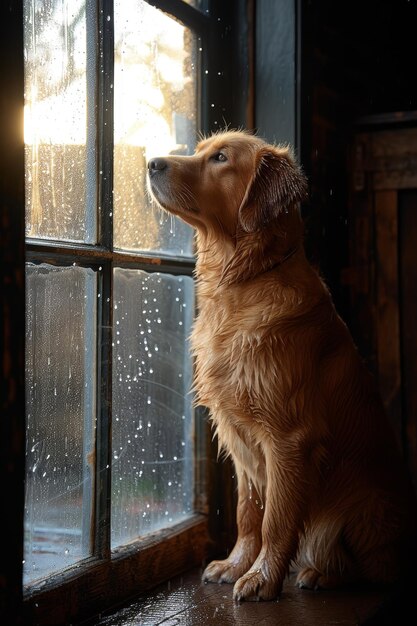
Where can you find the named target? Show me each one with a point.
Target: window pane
(152, 470)
(59, 119)
(60, 392)
(154, 114)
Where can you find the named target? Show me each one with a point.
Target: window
(154, 111)
(118, 491)
(110, 428)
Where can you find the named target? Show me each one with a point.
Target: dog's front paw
(310, 578)
(254, 585)
(226, 571)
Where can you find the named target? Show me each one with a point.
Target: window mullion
(105, 118)
(103, 434)
(104, 121)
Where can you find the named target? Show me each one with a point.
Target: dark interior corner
(358, 115)
(356, 71)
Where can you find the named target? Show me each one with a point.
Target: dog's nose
(157, 165)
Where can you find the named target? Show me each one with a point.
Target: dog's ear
(277, 185)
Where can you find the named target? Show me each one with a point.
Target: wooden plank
(395, 179)
(393, 159)
(360, 275)
(186, 600)
(408, 265)
(394, 143)
(388, 318)
(400, 162)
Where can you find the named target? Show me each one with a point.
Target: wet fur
(320, 480)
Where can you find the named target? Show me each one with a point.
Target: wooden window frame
(107, 578)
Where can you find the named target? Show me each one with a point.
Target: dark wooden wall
(356, 58)
(383, 261)
(357, 76)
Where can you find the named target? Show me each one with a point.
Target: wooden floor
(185, 601)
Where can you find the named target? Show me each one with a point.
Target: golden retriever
(320, 480)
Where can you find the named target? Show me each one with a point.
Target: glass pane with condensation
(60, 422)
(152, 465)
(154, 115)
(59, 124)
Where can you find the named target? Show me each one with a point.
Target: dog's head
(234, 186)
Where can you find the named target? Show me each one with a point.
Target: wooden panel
(394, 143)
(408, 268)
(360, 275)
(389, 159)
(388, 323)
(393, 159)
(396, 179)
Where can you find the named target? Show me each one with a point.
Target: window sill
(79, 593)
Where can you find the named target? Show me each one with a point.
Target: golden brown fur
(320, 481)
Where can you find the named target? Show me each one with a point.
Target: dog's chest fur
(243, 341)
(228, 345)
(235, 351)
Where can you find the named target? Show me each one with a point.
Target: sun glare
(56, 88)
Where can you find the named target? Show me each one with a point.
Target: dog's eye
(219, 156)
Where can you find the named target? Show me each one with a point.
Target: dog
(321, 483)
